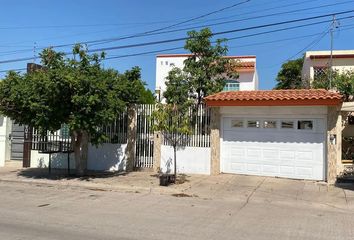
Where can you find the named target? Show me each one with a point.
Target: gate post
(27, 146)
(215, 140)
(157, 151)
(131, 138)
(334, 143)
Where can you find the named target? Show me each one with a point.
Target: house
(316, 63)
(248, 78)
(281, 133)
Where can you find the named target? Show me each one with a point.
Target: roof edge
(188, 55)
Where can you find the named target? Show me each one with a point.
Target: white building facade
(316, 63)
(248, 77)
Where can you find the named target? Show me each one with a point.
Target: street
(35, 211)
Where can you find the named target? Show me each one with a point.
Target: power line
(224, 32)
(347, 27)
(215, 24)
(213, 34)
(229, 39)
(158, 32)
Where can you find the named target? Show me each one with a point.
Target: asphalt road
(30, 211)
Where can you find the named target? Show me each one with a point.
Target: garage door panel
(238, 166)
(271, 154)
(272, 169)
(254, 153)
(253, 168)
(296, 154)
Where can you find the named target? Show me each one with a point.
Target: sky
(26, 27)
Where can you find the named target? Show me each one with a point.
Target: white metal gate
(144, 147)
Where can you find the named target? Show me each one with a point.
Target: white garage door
(292, 148)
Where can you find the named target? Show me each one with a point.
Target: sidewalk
(130, 182)
(226, 187)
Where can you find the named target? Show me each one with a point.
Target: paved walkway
(222, 187)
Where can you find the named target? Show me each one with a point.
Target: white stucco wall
(340, 64)
(192, 160)
(4, 140)
(106, 157)
(248, 79)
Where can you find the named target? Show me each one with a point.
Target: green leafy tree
(173, 119)
(173, 122)
(207, 69)
(76, 91)
(289, 76)
(343, 82)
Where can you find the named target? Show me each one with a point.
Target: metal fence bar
(200, 136)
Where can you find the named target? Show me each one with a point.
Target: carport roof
(301, 97)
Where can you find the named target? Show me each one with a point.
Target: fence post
(157, 151)
(131, 138)
(27, 146)
(215, 140)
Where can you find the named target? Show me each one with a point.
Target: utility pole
(334, 25)
(34, 52)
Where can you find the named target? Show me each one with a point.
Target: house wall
(193, 160)
(248, 79)
(340, 64)
(106, 157)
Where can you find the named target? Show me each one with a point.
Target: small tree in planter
(173, 121)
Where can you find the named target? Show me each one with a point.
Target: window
(287, 124)
(64, 132)
(305, 125)
(237, 123)
(270, 124)
(253, 124)
(161, 62)
(166, 62)
(231, 85)
(320, 73)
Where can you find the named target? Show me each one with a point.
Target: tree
(343, 82)
(77, 92)
(207, 69)
(289, 76)
(173, 119)
(173, 122)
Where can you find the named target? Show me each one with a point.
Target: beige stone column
(131, 138)
(157, 151)
(334, 148)
(215, 140)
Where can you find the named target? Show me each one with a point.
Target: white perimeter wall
(192, 160)
(4, 140)
(106, 157)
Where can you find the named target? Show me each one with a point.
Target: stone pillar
(131, 138)
(157, 151)
(215, 140)
(334, 143)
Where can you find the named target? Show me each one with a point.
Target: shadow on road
(59, 174)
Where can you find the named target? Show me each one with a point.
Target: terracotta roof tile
(245, 65)
(281, 97)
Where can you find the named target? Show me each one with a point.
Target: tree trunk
(81, 140)
(175, 161)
